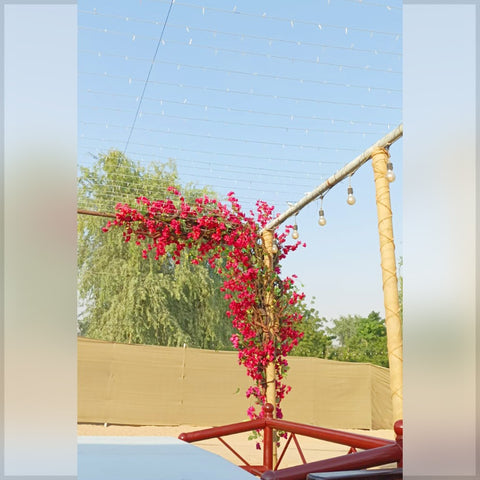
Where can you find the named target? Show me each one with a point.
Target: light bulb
(295, 234)
(390, 176)
(350, 198)
(274, 248)
(321, 219)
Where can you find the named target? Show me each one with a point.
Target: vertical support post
(270, 393)
(267, 238)
(393, 325)
(268, 447)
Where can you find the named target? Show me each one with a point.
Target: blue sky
(266, 99)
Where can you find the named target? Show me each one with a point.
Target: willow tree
(126, 298)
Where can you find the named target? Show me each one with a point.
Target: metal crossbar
(375, 451)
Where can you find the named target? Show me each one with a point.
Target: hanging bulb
(390, 176)
(321, 219)
(295, 234)
(274, 248)
(350, 198)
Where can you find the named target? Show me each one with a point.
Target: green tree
(360, 339)
(315, 342)
(126, 298)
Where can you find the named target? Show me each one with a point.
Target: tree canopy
(126, 298)
(316, 342)
(360, 339)
(350, 338)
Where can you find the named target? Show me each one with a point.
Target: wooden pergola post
(267, 238)
(271, 396)
(393, 324)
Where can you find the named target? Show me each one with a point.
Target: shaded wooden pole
(393, 324)
(270, 376)
(267, 239)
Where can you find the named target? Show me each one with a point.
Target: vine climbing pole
(270, 378)
(393, 324)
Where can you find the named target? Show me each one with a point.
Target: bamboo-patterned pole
(393, 325)
(271, 396)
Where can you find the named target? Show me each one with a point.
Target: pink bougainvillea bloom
(221, 232)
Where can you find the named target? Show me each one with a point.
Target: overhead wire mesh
(267, 104)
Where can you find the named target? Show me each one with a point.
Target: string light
(350, 198)
(295, 234)
(322, 221)
(390, 173)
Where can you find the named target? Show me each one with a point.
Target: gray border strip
(2, 236)
(477, 230)
(477, 237)
(3, 3)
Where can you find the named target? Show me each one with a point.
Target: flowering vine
(260, 301)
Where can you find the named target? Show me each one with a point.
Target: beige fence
(148, 385)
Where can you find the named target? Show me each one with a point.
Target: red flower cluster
(261, 303)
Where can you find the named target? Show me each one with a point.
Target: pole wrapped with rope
(393, 324)
(267, 239)
(270, 375)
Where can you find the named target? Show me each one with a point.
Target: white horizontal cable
(240, 110)
(207, 152)
(269, 56)
(252, 172)
(291, 21)
(317, 25)
(286, 183)
(230, 91)
(107, 193)
(365, 68)
(285, 128)
(213, 137)
(119, 197)
(270, 40)
(275, 77)
(125, 181)
(200, 165)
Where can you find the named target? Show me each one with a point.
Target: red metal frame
(375, 451)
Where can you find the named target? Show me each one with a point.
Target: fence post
(268, 438)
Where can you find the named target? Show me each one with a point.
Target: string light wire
(364, 68)
(285, 128)
(216, 153)
(148, 75)
(242, 36)
(250, 111)
(258, 75)
(317, 25)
